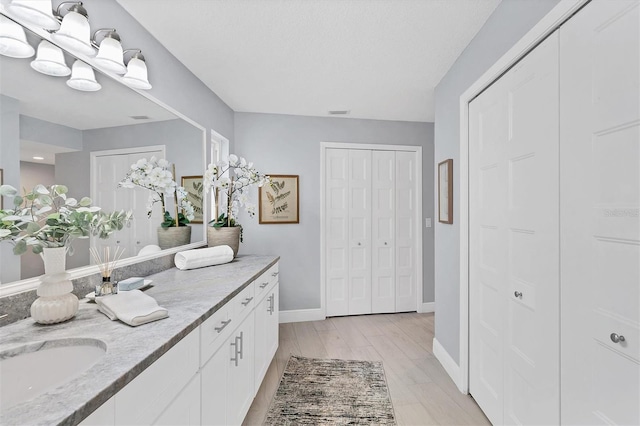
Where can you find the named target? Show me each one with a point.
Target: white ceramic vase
(55, 303)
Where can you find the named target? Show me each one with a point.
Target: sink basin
(35, 368)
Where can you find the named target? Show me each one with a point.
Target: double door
(370, 214)
(554, 230)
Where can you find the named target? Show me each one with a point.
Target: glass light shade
(75, 33)
(83, 78)
(13, 41)
(136, 75)
(110, 56)
(50, 60)
(37, 12)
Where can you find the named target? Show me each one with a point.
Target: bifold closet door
(406, 263)
(600, 239)
(383, 211)
(514, 248)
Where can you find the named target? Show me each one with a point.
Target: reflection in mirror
(64, 133)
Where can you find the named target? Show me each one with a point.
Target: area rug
(331, 392)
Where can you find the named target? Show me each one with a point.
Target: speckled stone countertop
(190, 296)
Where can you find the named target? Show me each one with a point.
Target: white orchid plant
(45, 217)
(158, 177)
(231, 180)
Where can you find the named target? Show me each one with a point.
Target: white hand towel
(198, 258)
(131, 307)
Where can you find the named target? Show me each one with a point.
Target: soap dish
(92, 296)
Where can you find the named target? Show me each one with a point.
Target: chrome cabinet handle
(270, 307)
(241, 344)
(236, 356)
(247, 301)
(617, 338)
(224, 324)
(263, 285)
(275, 274)
(518, 294)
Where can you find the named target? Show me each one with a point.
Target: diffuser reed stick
(107, 262)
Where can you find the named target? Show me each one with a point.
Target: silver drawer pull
(263, 285)
(236, 356)
(241, 344)
(617, 338)
(247, 301)
(275, 274)
(224, 324)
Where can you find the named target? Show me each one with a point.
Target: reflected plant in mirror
(46, 218)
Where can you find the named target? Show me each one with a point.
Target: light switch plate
(427, 222)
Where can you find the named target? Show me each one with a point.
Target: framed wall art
(445, 191)
(195, 194)
(278, 202)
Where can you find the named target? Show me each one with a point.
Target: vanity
(202, 365)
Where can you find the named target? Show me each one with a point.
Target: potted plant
(47, 221)
(230, 180)
(158, 177)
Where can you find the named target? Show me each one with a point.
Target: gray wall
(511, 20)
(36, 130)
(285, 144)
(31, 174)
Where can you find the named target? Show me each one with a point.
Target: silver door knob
(616, 338)
(118, 242)
(385, 243)
(359, 244)
(518, 294)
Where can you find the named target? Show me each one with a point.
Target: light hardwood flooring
(421, 391)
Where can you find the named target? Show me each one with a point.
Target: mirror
(69, 128)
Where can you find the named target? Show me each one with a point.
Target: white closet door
(405, 231)
(144, 229)
(600, 151)
(383, 232)
(337, 231)
(359, 232)
(514, 248)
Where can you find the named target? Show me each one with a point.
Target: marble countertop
(190, 296)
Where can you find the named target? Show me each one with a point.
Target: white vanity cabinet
(212, 375)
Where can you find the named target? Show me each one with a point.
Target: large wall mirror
(61, 133)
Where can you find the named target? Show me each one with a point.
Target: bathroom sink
(33, 369)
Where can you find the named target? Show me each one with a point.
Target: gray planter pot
(225, 236)
(173, 236)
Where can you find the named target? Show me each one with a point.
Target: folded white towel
(198, 258)
(131, 307)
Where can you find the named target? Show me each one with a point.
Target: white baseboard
(301, 315)
(450, 366)
(427, 307)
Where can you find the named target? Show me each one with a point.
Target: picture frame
(279, 202)
(445, 191)
(195, 194)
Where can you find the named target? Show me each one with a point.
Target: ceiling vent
(339, 112)
(140, 117)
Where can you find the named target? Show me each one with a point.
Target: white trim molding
(427, 307)
(549, 23)
(301, 315)
(449, 365)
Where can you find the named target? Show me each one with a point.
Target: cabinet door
(273, 325)
(261, 330)
(214, 387)
(185, 409)
(240, 382)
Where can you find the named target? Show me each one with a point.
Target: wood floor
(421, 391)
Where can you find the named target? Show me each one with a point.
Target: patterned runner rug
(331, 392)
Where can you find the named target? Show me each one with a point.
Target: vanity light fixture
(75, 32)
(37, 12)
(13, 40)
(50, 60)
(83, 78)
(38, 158)
(110, 54)
(136, 75)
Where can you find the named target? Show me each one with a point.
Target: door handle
(275, 274)
(518, 294)
(224, 324)
(241, 344)
(617, 338)
(247, 301)
(263, 285)
(235, 347)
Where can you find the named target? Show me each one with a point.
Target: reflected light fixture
(136, 75)
(13, 41)
(110, 53)
(83, 78)
(50, 60)
(38, 158)
(75, 32)
(37, 12)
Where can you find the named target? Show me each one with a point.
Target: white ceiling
(380, 59)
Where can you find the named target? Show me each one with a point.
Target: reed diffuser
(107, 263)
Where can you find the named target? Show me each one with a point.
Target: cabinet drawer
(264, 282)
(214, 331)
(243, 303)
(146, 397)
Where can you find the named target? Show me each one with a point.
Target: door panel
(600, 240)
(406, 279)
(383, 231)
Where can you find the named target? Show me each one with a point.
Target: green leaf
(8, 191)
(85, 202)
(20, 248)
(37, 249)
(18, 200)
(33, 227)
